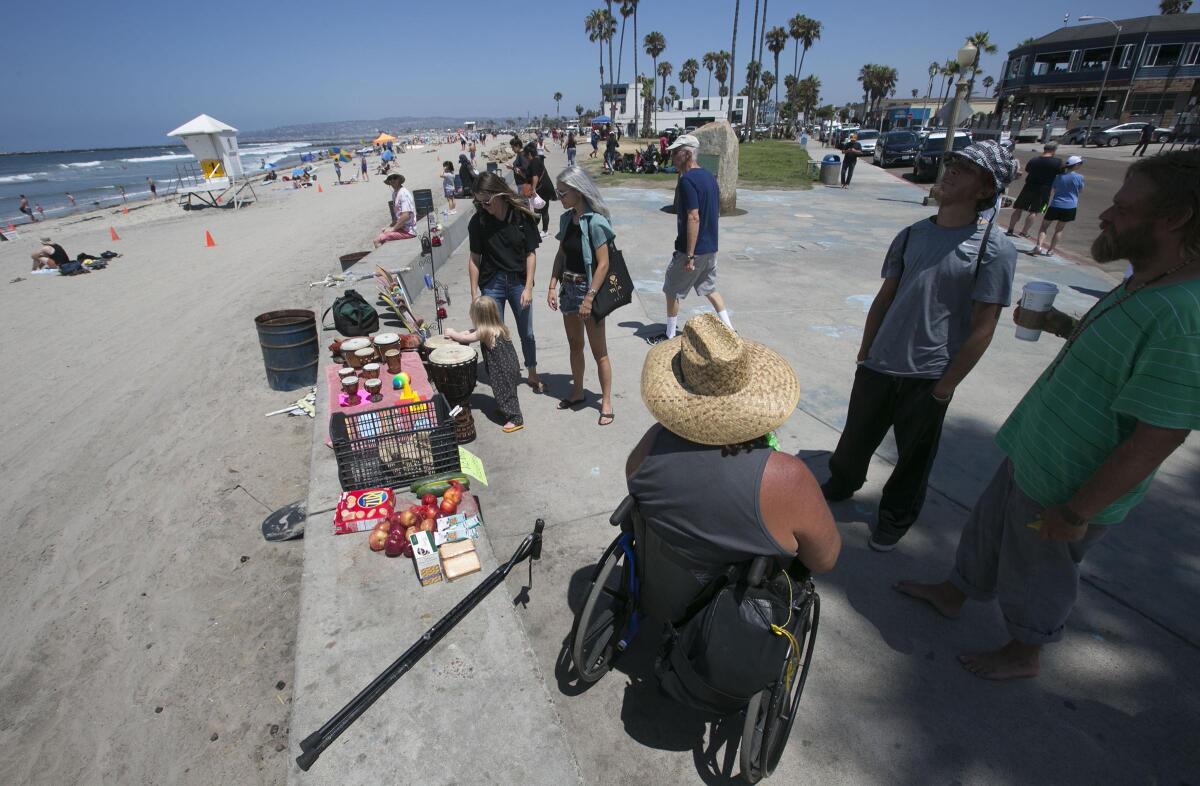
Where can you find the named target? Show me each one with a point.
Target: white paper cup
(1038, 296)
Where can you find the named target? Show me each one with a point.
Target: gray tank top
(703, 503)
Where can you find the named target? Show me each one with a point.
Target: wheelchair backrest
(669, 579)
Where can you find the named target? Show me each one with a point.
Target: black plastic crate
(394, 446)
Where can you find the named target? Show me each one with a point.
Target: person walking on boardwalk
(851, 152)
(1084, 444)
(1144, 140)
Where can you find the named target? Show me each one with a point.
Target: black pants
(879, 402)
(545, 214)
(1142, 147)
(848, 169)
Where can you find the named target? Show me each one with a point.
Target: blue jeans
(570, 156)
(507, 287)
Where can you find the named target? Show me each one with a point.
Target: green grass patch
(767, 163)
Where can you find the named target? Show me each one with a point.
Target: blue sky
(81, 74)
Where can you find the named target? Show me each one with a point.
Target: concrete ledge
(476, 709)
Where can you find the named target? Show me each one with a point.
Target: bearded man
(1085, 442)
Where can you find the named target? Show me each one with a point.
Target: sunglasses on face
(481, 202)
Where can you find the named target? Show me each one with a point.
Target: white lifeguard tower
(218, 169)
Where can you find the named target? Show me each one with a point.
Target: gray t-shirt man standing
(945, 281)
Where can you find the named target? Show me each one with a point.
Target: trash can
(831, 170)
(289, 347)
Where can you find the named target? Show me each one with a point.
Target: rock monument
(717, 139)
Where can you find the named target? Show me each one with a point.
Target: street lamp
(966, 58)
(1107, 67)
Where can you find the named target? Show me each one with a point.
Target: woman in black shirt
(49, 255)
(466, 173)
(503, 238)
(538, 184)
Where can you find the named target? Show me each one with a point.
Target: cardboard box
(360, 511)
(425, 558)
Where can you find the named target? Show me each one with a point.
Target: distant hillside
(351, 129)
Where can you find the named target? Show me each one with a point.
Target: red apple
(378, 539)
(448, 507)
(408, 518)
(454, 495)
(394, 545)
(429, 499)
(431, 512)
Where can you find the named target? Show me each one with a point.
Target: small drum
(352, 345)
(433, 343)
(385, 341)
(453, 370)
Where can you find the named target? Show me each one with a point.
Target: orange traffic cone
(113, 234)
(208, 241)
(319, 189)
(124, 210)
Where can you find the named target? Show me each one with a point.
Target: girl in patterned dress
(499, 358)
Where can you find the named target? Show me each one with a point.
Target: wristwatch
(691, 257)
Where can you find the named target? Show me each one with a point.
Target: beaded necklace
(1085, 323)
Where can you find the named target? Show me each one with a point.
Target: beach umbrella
(601, 119)
(387, 155)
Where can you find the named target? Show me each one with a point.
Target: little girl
(499, 358)
(448, 185)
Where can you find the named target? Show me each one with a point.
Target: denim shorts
(571, 295)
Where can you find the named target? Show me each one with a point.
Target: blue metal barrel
(289, 346)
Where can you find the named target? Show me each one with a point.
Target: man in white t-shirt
(404, 225)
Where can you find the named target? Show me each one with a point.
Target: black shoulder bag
(616, 289)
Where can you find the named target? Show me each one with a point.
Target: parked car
(842, 134)
(1123, 134)
(867, 137)
(896, 147)
(1075, 136)
(925, 165)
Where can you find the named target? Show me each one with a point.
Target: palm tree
(664, 70)
(806, 32)
(777, 39)
(672, 95)
(948, 71)
(647, 85)
(722, 73)
(737, 10)
(633, 4)
(578, 111)
(654, 43)
(982, 46)
(557, 100)
(600, 27)
(709, 62)
(1174, 6)
(749, 120)
(934, 70)
(688, 72)
(987, 84)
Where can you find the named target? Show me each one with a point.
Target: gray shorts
(703, 279)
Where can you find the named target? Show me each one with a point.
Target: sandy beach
(149, 628)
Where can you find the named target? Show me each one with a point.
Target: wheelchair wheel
(604, 615)
(771, 712)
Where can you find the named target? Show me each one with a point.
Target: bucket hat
(993, 158)
(711, 386)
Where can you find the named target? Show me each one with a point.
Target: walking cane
(322, 738)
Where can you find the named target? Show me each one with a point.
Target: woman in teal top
(584, 233)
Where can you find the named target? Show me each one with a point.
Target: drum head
(435, 342)
(452, 356)
(384, 339)
(352, 345)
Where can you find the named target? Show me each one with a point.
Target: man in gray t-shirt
(931, 322)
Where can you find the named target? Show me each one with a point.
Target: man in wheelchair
(719, 534)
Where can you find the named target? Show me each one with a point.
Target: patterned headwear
(994, 159)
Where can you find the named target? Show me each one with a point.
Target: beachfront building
(679, 114)
(892, 113)
(1155, 73)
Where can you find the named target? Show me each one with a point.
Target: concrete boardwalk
(886, 702)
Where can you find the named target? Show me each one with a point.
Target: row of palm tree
(878, 81)
(601, 28)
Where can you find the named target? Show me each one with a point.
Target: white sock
(671, 323)
(724, 315)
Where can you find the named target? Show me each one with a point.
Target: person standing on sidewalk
(851, 152)
(945, 281)
(1064, 201)
(693, 266)
(1144, 140)
(1035, 195)
(1084, 443)
(503, 239)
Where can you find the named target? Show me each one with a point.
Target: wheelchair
(642, 578)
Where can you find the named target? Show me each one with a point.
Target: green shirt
(1139, 361)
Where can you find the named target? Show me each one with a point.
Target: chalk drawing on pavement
(864, 301)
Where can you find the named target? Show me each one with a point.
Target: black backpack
(352, 315)
(733, 641)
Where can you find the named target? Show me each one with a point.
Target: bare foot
(1015, 660)
(945, 597)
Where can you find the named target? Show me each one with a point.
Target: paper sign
(471, 465)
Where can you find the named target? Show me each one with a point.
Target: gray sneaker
(882, 541)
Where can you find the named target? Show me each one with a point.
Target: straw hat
(710, 386)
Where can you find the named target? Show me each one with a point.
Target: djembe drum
(453, 370)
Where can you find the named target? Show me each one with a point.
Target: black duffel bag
(352, 315)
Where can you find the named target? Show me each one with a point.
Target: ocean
(94, 177)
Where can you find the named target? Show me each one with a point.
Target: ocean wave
(81, 164)
(268, 149)
(167, 157)
(27, 177)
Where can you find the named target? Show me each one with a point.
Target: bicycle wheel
(771, 712)
(603, 617)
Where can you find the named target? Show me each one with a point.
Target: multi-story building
(1155, 73)
(679, 114)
